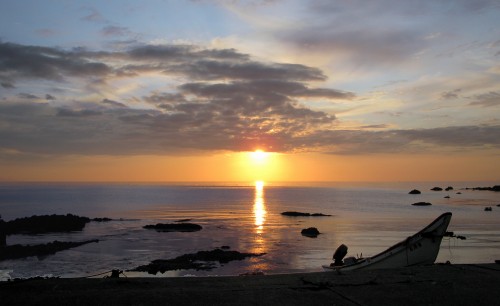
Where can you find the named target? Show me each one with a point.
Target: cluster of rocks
(35, 225)
(202, 260)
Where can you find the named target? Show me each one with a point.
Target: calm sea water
(368, 218)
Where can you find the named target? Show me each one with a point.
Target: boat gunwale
(378, 257)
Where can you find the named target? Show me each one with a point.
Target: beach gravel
(427, 285)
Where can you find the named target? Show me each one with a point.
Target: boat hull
(419, 249)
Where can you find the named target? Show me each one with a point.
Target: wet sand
(428, 285)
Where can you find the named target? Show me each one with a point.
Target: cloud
(450, 94)
(27, 96)
(7, 85)
(19, 61)
(114, 31)
(113, 103)
(199, 99)
(487, 100)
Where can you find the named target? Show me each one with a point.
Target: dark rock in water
(46, 224)
(459, 192)
(202, 260)
(102, 219)
(421, 204)
(447, 197)
(310, 232)
(21, 251)
(303, 214)
(415, 191)
(498, 205)
(437, 189)
(449, 188)
(488, 209)
(494, 188)
(183, 220)
(225, 247)
(175, 227)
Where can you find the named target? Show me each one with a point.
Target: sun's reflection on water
(259, 207)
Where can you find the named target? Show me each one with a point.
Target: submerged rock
(202, 260)
(303, 214)
(20, 251)
(437, 189)
(415, 191)
(46, 224)
(488, 209)
(310, 232)
(421, 204)
(174, 227)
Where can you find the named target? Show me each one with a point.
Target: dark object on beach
(303, 214)
(494, 188)
(488, 209)
(202, 260)
(46, 224)
(447, 197)
(421, 204)
(459, 192)
(175, 227)
(339, 255)
(415, 191)
(310, 232)
(437, 189)
(449, 188)
(115, 273)
(102, 219)
(21, 251)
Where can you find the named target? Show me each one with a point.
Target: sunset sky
(185, 90)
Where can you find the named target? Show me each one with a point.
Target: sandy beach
(427, 285)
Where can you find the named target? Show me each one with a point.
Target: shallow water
(368, 218)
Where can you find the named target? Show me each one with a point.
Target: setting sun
(259, 156)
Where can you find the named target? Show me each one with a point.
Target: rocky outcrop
(46, 224)
(202, 260)
(174, 227)
(437, 189)
(449, 188)
(494, 188)
(20, 251)
(311, 232)
(303, 214)
(415, 191)
(421, 204)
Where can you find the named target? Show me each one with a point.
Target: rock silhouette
(174, 227)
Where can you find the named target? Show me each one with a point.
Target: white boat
(419, 249)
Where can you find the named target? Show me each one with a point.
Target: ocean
(367, 217)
